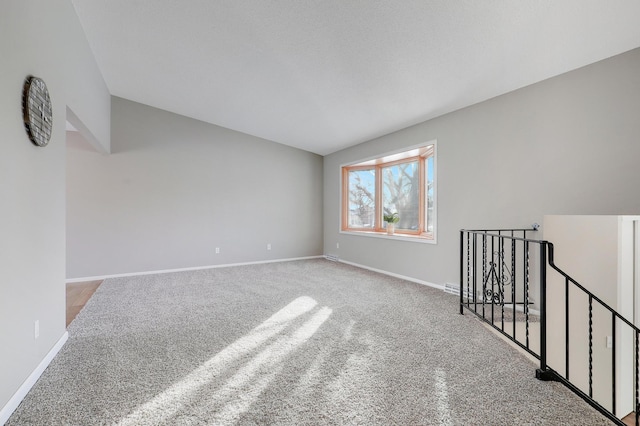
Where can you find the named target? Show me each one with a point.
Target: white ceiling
(323, 75)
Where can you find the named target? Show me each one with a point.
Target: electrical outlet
(269, 246)
(217, 250)
(337, 245)
(609, 342)
(36, 329)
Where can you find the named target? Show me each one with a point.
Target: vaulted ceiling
(322, 75)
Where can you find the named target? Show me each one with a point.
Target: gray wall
(43, 38)
(567, 145)
(175, 188)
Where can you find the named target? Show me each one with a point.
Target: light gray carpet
(295, 343)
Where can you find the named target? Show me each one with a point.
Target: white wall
(43, 38)
(567, 145)
(598, 252)
(586, 248)
(175, 188)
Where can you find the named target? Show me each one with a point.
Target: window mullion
(345, 199)
(378, 201)
(422, 195)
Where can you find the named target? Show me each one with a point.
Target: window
(402, 183)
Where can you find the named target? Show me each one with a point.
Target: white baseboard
(392, 274)
(195, 268)
(22, 391)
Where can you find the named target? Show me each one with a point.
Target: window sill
(399, 237)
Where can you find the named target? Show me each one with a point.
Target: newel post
(543, 373)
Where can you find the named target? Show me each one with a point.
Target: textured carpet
(294, 343)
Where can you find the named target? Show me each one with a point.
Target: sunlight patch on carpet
(442, 398)
(250, 380)
(236, 396)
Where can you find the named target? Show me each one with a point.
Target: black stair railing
(496, 270)
(504, 280)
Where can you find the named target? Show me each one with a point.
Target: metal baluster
(484, 271)
(526, 293)
(461, 272)
(590, 346)
(513, 284)
(468, 270)
(635, 365)
(475, 273)
(492, 279)
(501, 280)
(613, 363)
(566, 328)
